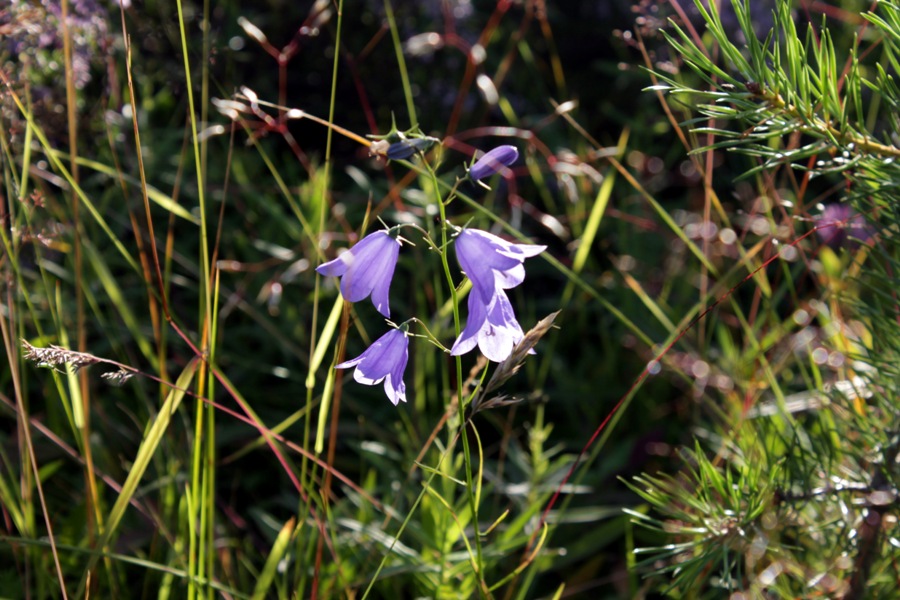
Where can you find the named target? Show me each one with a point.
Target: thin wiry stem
(25, 431)
(83, 393)
(460, 390)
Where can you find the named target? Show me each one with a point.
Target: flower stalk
(461, 400)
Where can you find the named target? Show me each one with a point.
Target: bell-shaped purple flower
(491, 262)
(384, 360)
(492, 327)
(366, 269)
(493, 161)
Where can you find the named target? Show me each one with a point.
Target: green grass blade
(275, 556)
(142, 460)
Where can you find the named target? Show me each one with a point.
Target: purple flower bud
(367, 268)
(406, 148)
(493, 161)
(384, 360)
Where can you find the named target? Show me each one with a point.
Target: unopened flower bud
(406, 148)
(493, 161)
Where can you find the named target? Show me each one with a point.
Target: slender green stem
(198, 482)
(470, 488)
(401, 62)
(307, 471)
(430, 337)
(206, 566)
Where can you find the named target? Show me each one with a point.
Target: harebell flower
(384, 360)
(367, 269)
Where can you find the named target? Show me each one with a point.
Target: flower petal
(333, 268)
(511, 277)
(522, 251)
(477, 255)
(394, 386)
(481, 276)
(356, 283)
(493, 328)
(395, 393)
(367, 376)
(468, 338)
(491, 261)
(401, 150)
(352, 362)
(487, 248)
(391, 350)
(501, 331)
(382, 274)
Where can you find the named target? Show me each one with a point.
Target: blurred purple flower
(491, 262)
(840, 226)
(384, 360)
(493, 161)
(367, 268)
(493, 328)
(34, 30)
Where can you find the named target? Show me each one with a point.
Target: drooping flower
(493, 161)
(384, 360)
(367, 268)
(491, 262)
(493, 327)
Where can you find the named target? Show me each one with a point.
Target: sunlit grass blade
(155, 432)
(276, 555)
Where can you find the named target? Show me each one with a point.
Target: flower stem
(461, 403)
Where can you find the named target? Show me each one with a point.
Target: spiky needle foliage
(797, 496)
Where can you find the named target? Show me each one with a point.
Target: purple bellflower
(366, 269)
(491, 262)
(493, 161)
(384, 360)
(492, 265)
(493, 328)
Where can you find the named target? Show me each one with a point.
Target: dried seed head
(118, 377)
(511, 365)
(56, 356)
